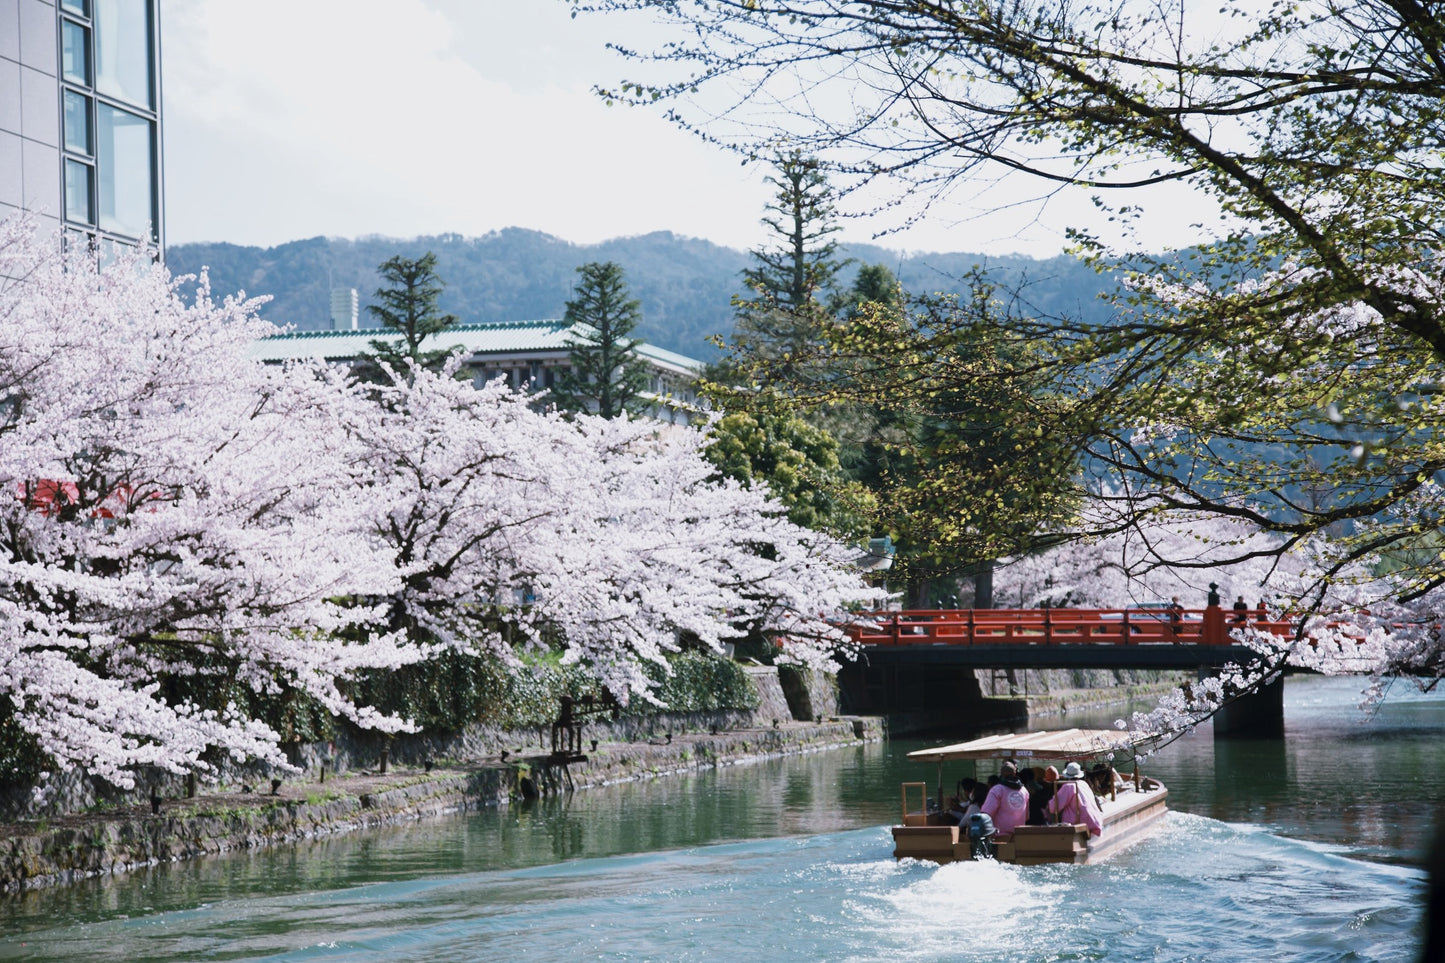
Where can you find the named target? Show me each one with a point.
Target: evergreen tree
(873, 434)
(791, 277)
(607, 376)
(408, 306)
(798, 462)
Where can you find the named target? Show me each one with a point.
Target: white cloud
(352, 117)
(292, 118)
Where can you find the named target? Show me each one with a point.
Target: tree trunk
(983, 586)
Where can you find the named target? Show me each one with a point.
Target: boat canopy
(1049, 744)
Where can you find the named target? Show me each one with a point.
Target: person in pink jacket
(1008, 802)
(1074, 801)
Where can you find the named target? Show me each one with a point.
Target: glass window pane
(77, 122)
(123, 50)
(81, 7)
(79, 208)
(125, 165)
(74, 52)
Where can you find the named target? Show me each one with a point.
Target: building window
(77, 123)
(79, 193)
(110, 122)
(75, 52)
(123, 50)
(124, 161)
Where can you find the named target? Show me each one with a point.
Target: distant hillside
(685, 285)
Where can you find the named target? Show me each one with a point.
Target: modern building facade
(529, 354)
(80, 115)
(345, 309)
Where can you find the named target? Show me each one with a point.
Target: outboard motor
(980, 836)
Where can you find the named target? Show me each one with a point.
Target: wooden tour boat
(1130, 805)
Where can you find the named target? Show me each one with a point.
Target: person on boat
(1028, 780)
(967, 804)
(1103, 780)
(1040, 792)
(1074, 801)
(1007, 803)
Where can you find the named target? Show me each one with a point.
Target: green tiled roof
(509, 338)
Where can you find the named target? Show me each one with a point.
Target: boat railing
(919, 816)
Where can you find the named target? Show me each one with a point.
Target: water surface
(1297, 850)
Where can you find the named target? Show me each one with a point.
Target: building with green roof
(529, 354)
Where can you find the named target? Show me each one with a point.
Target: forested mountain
(685, 285)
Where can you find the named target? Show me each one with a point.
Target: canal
(1305, 849)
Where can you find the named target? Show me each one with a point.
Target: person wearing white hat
(1074, 802)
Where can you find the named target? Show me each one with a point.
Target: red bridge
(1059, 626)
(926, 661)
(1063, 637)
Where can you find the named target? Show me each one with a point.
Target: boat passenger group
(1027, 796)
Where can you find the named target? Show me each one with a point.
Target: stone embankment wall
(1056, 692)
(356, 751)
(102, 842)
(99, 844)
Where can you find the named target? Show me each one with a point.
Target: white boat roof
(1049, 744)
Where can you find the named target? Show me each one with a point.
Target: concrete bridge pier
(1259, 715)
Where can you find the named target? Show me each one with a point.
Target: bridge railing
(1130, 626)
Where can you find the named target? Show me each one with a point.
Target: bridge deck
(1061, 638)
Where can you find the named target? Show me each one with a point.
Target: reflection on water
(789, 859)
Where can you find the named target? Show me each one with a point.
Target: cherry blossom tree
(1179, 554)
(174, 520)
(513, 529)
(187, 527)
(1344, 618)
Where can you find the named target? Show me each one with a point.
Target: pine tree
(607, 376)
(409, 307)
(792, 277)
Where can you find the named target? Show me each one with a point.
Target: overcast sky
(287, 119)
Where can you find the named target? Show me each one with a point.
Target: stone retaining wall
(354, 750)
(47, 853)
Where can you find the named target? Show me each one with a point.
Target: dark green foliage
(700, 683)
(408, 305)
(455, 690)
(296, 716)
(874, 284)
(685, 285)
(799, 267)
(951, 422)
(21, 758)
(607, 377)
(791, 277)
(798, 462)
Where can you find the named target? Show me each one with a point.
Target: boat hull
(1126, 819)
